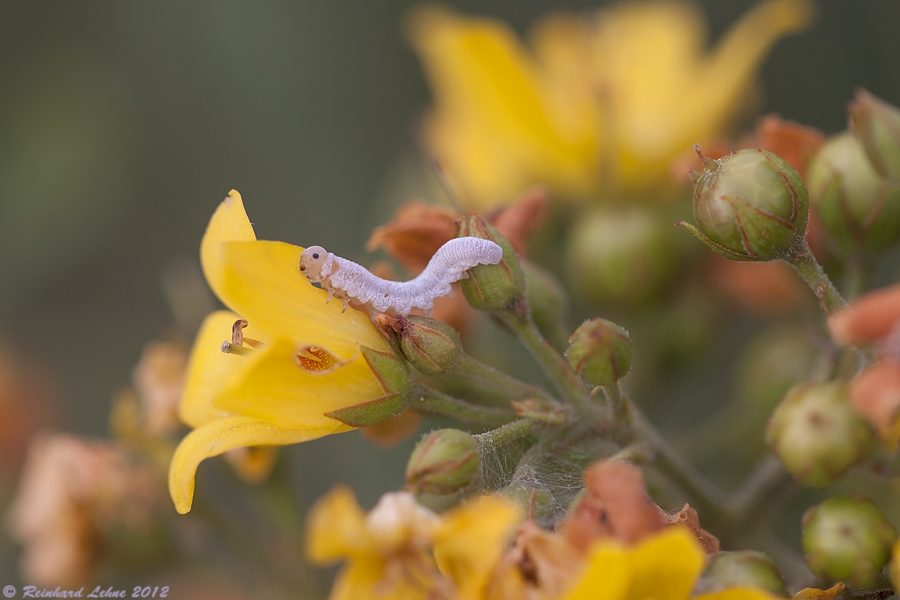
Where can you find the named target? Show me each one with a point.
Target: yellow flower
(308, 364)
(401, 550)
(595, 105)
(662, 567)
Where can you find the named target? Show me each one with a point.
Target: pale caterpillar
(345, 279)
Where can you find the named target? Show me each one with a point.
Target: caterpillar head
(311, 262)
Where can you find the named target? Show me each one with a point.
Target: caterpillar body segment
(345, 279)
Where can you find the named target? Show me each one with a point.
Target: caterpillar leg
(346, 300)
(329, 296)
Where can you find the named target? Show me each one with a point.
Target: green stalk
(498, 379)
(506, 433)
(810, 270)
(705, 497)
(433, 401)
(830, 299)
(552, 362)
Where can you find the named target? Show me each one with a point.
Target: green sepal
(371, 412)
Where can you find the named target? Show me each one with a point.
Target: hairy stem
(499, 380)
(807, 266)
(552, 362)
(755, 496)
(706, 498)
(506, 433)
(830, 299)
(433, 401)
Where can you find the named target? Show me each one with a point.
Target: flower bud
(622, 255)
(877, 125)
(600, 352)
(536, 502)
(816, 433)
(443, 462)
(492, 287)
(394, 380)
(747, 568)
(431, 346)
(847, 539)
(750, 205)
(859, 209)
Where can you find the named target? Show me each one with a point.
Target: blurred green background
(123, 124)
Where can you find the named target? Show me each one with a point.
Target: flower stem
(506, 433)
(705, 497)
(431, 400)
(810, 270)
(755, 496)
(498, 379)
(554, 365)
(830, 299)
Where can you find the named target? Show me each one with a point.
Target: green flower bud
(877, 125)
(817, 435)
(741, 569)
(395, 382)
(431, 346)
(750, 205)
(600, 352)
(847, 539)
(492, 287)
(547, 300)
(443, 462)
(859, 209)
(622, 255)
(536, 502)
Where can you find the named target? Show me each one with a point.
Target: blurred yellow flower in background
(306, 361)
(596, 105)
(664, 566)
(402, 550)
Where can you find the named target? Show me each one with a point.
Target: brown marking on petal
(316, 360)
(763, 213)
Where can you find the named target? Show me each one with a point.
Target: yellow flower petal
(228, 224)
(663, 566)
(470, 540)
(273, 387)
(335, 527)
(496, 126)
(221, 435)
(664, 92)
(262, 282)
(208, 366)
